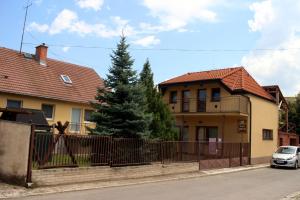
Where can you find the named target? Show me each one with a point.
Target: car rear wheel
(272, 166)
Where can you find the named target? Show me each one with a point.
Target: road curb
(22, 192)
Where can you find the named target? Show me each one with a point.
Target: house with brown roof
(63, 91)
(224, 106)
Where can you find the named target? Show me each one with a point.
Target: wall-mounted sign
(242, 126)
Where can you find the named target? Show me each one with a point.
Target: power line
(169, 49)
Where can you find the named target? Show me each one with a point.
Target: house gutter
(250, 128)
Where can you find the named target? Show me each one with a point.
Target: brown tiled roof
(20, 75)
(236, 79)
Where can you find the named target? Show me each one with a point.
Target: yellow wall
(228, 103)
(264, 116)
(62, 110)
(227, 126)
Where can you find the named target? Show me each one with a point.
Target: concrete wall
(62, 110)
(48, 177)
(265, 115)
(14, 151)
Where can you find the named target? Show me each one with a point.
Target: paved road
(257, 184)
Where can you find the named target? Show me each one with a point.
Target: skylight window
(66, 79)
(28, 55)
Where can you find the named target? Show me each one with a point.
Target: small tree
(162, 125)
(294, 112)
(121, 106)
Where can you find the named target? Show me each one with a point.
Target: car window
(286, 150)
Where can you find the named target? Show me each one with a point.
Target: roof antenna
(26, 7)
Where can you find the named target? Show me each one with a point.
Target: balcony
(80, 128)
(229, 104)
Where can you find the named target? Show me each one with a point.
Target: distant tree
(294, 112)
(162, 125)
(121, 107)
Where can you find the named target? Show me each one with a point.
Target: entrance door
(208, 138)
(75, 120)
(202, 100)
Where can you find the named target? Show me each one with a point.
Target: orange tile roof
(236, 79)
(23, 76)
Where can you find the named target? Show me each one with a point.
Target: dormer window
(66, 79)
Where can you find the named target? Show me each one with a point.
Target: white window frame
(80, 123)
(53, 110)
(66, 79)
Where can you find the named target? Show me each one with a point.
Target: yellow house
(224, 106)
(63, 91)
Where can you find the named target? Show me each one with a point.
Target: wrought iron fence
(54, 150)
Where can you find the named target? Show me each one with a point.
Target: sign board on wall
(242, 126)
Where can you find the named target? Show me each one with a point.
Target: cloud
(38, 27)
(90, 4)
(176, 14)
(278, 25)
(68, 20)
(147, 41)
(64, 20)
(65, 49)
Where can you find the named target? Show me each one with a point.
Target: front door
(208, 138)
(75, 120)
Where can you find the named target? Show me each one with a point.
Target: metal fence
(53, 150)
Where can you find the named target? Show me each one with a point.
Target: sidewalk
(294, 196)
(9, 191)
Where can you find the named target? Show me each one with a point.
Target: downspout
(250, 128)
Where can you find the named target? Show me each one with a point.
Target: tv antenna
(26, 7)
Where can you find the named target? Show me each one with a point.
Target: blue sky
(177, 36)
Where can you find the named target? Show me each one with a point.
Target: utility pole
(26, 7)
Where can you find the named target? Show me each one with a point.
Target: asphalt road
(264, 183)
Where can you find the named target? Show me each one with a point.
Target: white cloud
(147, 41)
(68, 20)
(277, 22)
(64, 20)
(263, 15)
(66, 49)
(38, 27)
(91, 4)
(176, 14)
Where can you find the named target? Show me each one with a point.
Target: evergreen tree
(121, 106)
(162, 125)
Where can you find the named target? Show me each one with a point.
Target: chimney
(41, 54)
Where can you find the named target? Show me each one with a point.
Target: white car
(286, 156)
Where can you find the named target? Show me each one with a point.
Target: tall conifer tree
(162, 125)
(121, 107)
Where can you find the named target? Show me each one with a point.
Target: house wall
(62, 110)
(14, 151)
(227, 126)
(193, 95)
(264, 115)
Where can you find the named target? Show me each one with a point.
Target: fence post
(241, 155)
(30, 157)
(199, 154)
(230, 154)
(110, 150)
(161, 152)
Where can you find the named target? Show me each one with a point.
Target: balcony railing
(228, 104)
(80, 128)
